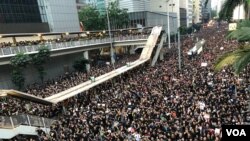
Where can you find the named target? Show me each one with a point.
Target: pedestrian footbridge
(151, 42)
(23, 125)
(63, 48)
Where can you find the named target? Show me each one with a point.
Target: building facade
(80, 4)
(62, 17)
(22, 16)
(197, 13)
(186, 7)
(151, 12)
(206, 11)
(183, 17)
(34, 16)
(134, 6)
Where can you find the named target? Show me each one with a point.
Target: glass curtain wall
(19, 11)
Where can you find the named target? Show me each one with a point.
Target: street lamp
(110, 38)
(179, 40)
(168, 25)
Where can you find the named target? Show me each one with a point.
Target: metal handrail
(55, 46)
(15, 121)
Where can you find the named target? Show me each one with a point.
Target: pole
(168, 25)
(110, 39)
(179, 40)
(174, 24)
(179, 50)
(239, 14)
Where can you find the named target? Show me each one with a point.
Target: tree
(19, 62)
(17, 78)
(242, 33)
(39, 59)
(119, 18)
(213, 13)
(80, 64)
(239, 58)
(197, 27)
(229, 6)
(91, 18)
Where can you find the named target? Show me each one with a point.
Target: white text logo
(236, 132)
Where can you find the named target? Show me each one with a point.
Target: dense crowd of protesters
(69, 38)
(154, 103)
(69, 80)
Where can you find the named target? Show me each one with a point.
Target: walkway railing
(28, 120)
(72, 44)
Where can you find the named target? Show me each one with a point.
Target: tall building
(33, 16)
(100, 4)
(206, 11)
(151, 12)
(197, 13)
(62, 16)
(80, 4)
(150, 5)
(22, 16)
(186, 7)
(89, 1)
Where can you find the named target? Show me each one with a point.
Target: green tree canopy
(80, 64)
(39, 59)
(239, 58)
(228, 7)
(19, 62)
(91, 18)
(213, 14)
(119, 18)
(242, 33)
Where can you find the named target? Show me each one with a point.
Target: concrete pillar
(127, 49)
(132, 49)
(14, 40)
(41, 37)
(86, 56)
(161, 55)
(112, 55)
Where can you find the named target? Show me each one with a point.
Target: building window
(19, 11)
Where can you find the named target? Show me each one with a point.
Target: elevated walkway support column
(159, 51)
(132, 49)
(112, 55)
(162, 55)
(14, 40)
(127, 48)
(86, 56)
